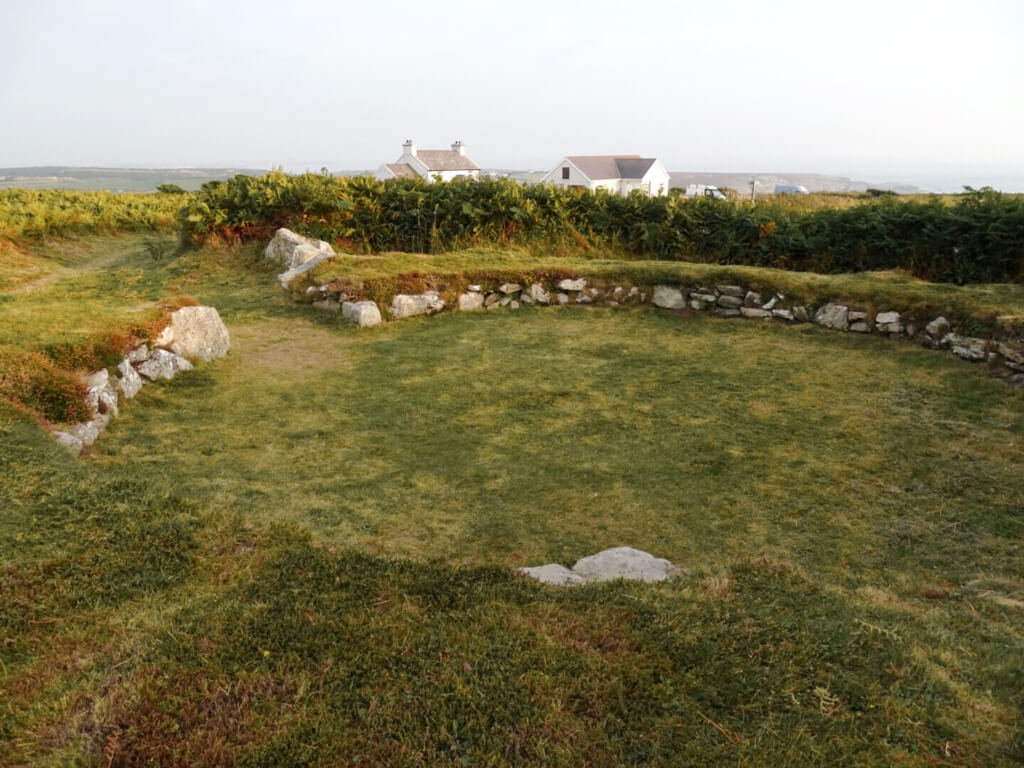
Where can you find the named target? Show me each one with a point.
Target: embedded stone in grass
(362, 313)
(563, 298)
(88, 431)
(69, 441)
(554, 574)
(668, 297)
(508, 288)
(403, 305)
(731, 290)
(195, 333)
(755, 312)
(834, 316)
(470, 301)
(624, 563)
(163, 364)
(473, 288)
(129, 382)
(860, 327)
(572, 285)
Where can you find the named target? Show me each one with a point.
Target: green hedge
(33, 214)
(974, 237)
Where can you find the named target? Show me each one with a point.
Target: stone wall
(195, 333)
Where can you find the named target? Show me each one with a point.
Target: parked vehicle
(791, 189)
(704, 190)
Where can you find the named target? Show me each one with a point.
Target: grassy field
(304, 554)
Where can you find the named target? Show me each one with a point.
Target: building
(430, 164)
(620, 174)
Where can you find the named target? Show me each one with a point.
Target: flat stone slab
(554, 574)
(362, 313)
(624, 563)
(610, 564)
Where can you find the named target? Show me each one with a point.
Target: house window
(565, 172)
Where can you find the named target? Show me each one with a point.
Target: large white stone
(508, 288)
(404, 305)
(101, 397)
(470, 301)
(88, 431)
(554, 574)
(668, 297)
(129, 382)
(163, 364)
(572, 285)
(834, 316)
(755, 312)
(195, 333)
(69, 441)
(291, 250)
(624, 563)
(362, 313)
(538, 294)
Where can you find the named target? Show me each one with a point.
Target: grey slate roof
(612, 166)
(402, 170)
(445, 160)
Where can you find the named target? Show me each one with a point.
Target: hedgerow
(974, 237)
(33, 214)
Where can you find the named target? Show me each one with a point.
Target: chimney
(409, 148)
(459, 147)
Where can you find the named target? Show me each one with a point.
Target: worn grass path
(303, 554)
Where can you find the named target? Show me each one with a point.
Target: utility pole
(752, 182)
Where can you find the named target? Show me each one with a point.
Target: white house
(620, 174)
(430, 164)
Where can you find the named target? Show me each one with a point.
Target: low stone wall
(193, 332)
(1005, 357)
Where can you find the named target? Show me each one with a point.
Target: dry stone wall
(193, 332)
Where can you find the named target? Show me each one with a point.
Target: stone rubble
(193, 332)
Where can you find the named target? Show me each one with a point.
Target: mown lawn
(304, 554)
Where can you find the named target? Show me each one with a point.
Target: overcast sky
(879, 89)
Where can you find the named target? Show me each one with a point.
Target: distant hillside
(114, 179)
(765, 182)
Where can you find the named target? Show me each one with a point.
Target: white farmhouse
(620, 174)
(430, 164)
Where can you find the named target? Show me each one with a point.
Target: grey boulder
(624, 563)
(834, 316)
(362, 313)
(470, 301)
(129, 382)
(668, 297)
(554, 574)
(195, 333)
(404, 305)
(163, 364)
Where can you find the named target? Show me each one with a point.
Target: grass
(304, 554)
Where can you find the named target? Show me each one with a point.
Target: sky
(881, 90)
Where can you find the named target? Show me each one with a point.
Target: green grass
(304, 553)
